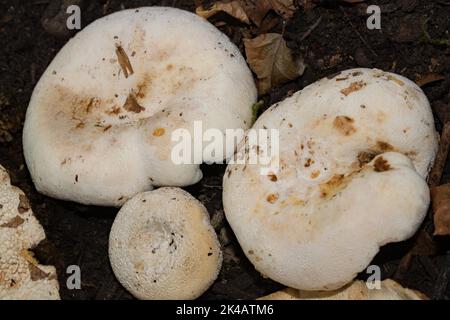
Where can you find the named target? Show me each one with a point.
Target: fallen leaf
(434, 178)
(36, 274)
(234, 8)
(272, 61)
(246, 10)
(440, 197)
(425, 79)
(424, 245)
(258, 9)
(307, 4)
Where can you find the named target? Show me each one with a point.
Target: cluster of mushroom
(355, 150)
(98, 131)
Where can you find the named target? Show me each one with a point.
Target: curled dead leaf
(258, 9)
(425, 79)
(36, 273)
(249, 10)
(272, 61)
(234, 8)
(440, 197)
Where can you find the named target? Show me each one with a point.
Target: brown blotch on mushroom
(90, 105)
(381, 165)
(144, 85)
(272, 198)
(114, 111)
(353, 87)
(308, 163)
(315, 174)
(364, 157)
(272, 177)
(332, 186)
(24, 204)
(132, 105)
(384, 146)
(159, 132)
(344, 125)
(13, 223)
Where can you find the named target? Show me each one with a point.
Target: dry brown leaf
(441, 206)
(234, 8)
(272, 61)
(307, 4)
(246, 10)
(428, 78)
(258, 9)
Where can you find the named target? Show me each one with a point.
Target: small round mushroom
(99, 125)
(21, 275)
(354, 151)
(356, 290)
(162, 246)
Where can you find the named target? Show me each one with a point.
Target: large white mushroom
(356, 290)
(354, 150)
(98, 127)
(21, 276)
(162, 246)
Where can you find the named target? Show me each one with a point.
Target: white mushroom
(162, 246)
(356, 290)
(99, 124)
(347, 183)
(21, 276)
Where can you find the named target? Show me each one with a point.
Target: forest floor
(413, 42)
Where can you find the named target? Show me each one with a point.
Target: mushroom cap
(344, 186)
(97, 132)
(21, 276)
(162, 246)
(356, 290)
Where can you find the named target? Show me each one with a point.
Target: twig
(33, 73)
(357, 32)
(211, 186)
(441, 157)
(311, 29)
(106, 7)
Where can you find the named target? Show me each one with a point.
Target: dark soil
(78, 234)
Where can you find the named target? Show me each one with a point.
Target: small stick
(357, 32)
(33, 73)
(311, 29)
(124, 61)
(441, 157)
